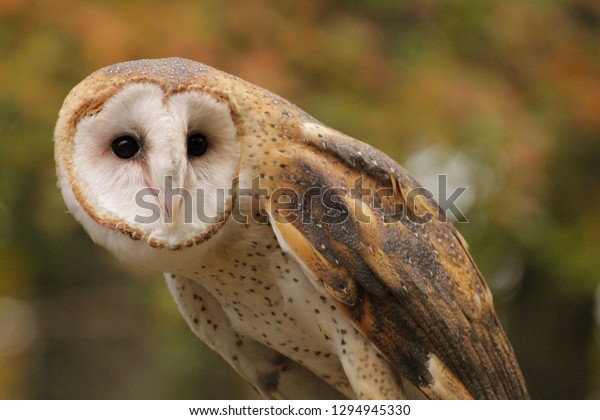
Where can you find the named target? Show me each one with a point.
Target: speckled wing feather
(359, 224)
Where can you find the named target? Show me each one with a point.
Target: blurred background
(502, 96)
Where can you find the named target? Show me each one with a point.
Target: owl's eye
(196, 144)
(125, 147)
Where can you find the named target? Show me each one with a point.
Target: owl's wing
(272, 375)
(356, 222)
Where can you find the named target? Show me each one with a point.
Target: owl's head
(148, 152)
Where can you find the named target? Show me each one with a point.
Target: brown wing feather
(409, 285)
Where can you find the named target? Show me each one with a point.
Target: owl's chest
(264, 292)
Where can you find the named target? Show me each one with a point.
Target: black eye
(125, 147)
(196, 144)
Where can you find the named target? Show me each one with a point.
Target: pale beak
(172, 193)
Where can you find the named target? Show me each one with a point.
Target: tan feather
(410, 284)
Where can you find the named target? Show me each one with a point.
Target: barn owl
(311, 262)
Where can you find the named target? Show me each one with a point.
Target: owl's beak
(175, 195)
(172, 196)
(173, 213)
